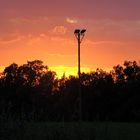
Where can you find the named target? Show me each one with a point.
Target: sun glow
(61, 70)
(1, 68)
(68, 70)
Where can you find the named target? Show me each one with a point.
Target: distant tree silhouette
(32, 92)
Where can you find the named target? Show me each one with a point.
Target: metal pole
(78, 33)
(79, 75)
(79, 55)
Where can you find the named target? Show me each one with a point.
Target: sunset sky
(43, 29)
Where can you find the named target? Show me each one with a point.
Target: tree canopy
(33, 92)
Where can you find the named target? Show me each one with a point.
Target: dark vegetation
(70, 131)
(31, 92)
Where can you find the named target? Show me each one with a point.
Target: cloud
(62, 55)
(11, 38)
(29, 20)
(71, 21)
(91, 43)
(59, 30)
(113, 30)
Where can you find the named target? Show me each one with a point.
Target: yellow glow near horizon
(67, 70)
(61, 70)
(2, 68)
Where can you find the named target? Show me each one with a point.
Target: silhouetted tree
(31, 91)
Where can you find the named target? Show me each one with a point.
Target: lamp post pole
(79, 35)
(79, 43)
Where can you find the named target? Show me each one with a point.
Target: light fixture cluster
(79, 34)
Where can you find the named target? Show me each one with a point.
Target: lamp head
(77, 31)
(83, 31)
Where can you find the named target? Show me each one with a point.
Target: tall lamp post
(79, 34)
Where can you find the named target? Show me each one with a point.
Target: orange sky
(42, 29)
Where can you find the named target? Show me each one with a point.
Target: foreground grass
(69, 131)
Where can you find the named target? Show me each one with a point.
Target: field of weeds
(69, 131)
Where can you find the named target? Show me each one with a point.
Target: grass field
(69, 131)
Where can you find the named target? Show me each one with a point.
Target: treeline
(32, 92)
